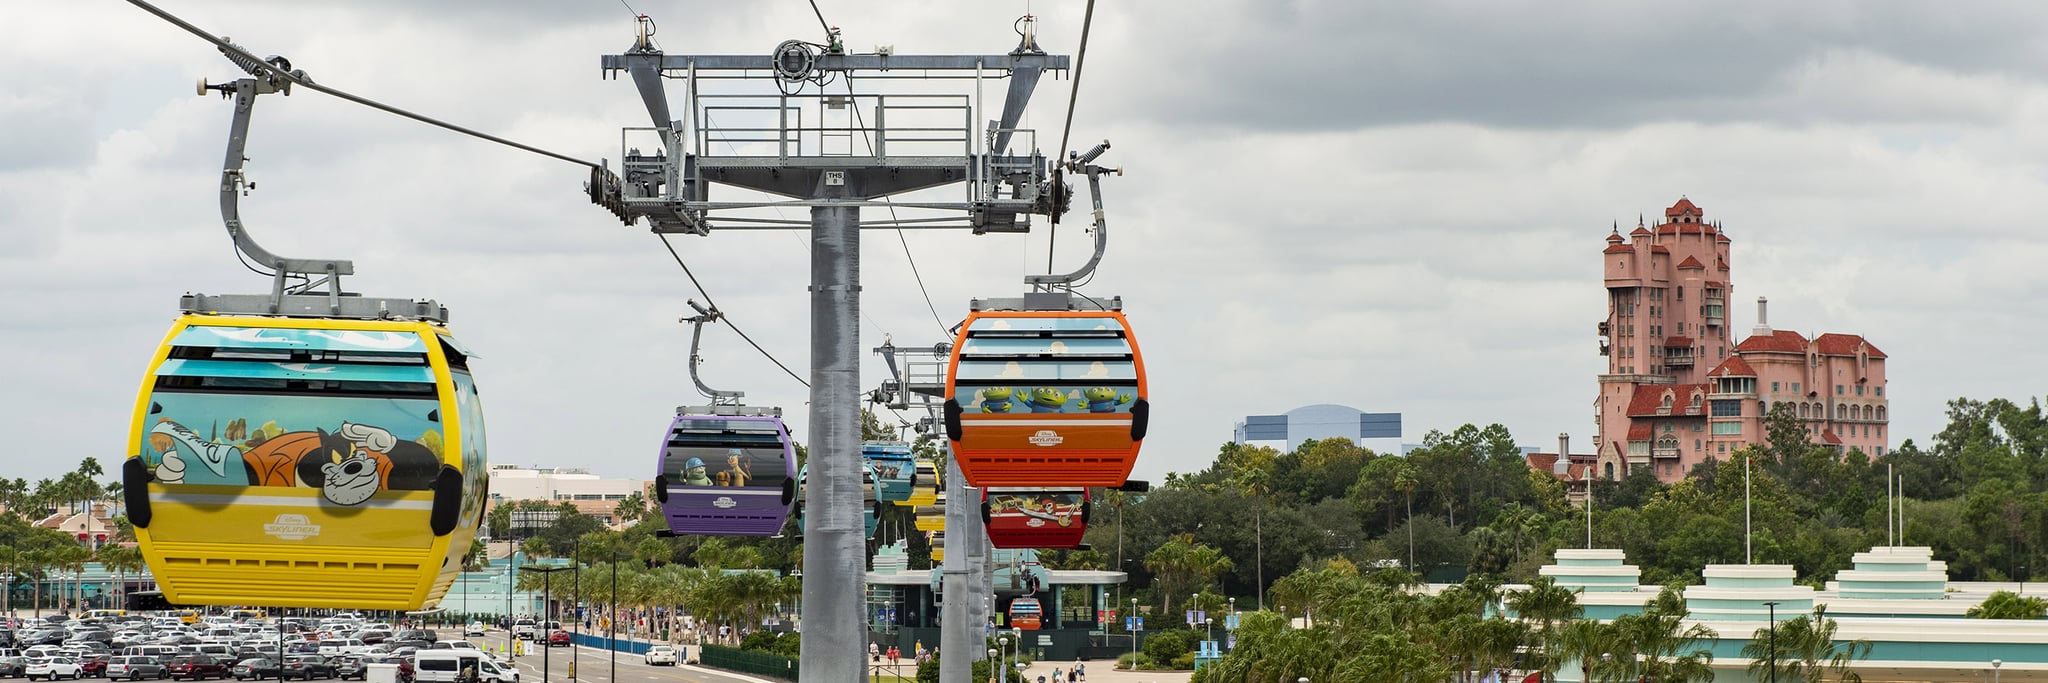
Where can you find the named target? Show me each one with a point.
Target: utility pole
(781, 145)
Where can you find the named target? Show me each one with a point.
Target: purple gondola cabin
(732, 473)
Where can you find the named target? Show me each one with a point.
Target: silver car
(136, 667)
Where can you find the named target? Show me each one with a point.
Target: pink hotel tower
(1677, 391)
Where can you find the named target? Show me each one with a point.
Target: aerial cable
(256, 66)
(861, 121)
(728, 318)
(1080, 59)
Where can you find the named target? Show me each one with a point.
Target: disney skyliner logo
(292, 527)
(1047, 438)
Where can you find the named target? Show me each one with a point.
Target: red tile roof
(1639, 231)
(1715, 283)
(1613, 237)
(1684, 206)
(1721, 238)
(1680, 342)
(1733, 367)
(1649, 397)
(1832, 344)
(1780, 341)
(1691, 262)
(1659, 249)
(1619, 248)
(1827, 436)
(1720, 263)
(1542, 462)
(1639, 432)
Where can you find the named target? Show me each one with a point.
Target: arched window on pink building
(1802, 410)
(1880, 413)
(1842, 410)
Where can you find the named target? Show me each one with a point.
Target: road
(595, 665)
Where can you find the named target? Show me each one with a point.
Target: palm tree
(34, 563)
(2008, 605)
(1593, 644)
(73, 557)
(1806, 650)
(1663, 647)
(121, 560)
(632, 509)
(1547, 605)
(1181, 564)
(1253, 479)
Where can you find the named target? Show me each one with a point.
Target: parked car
(257, 668)
(53, 668)
(307, 667)
(136, 667)
(523, 628)
(197, 667)
(475, 629)
(661, 654)
(351, 666)
(561, 639)
(13, 665)
(94, 666)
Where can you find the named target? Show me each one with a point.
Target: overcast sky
(1394, 206)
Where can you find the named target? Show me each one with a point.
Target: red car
(560, 638)
(94, 666)
(197, 667)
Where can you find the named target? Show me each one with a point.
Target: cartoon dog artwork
(350, 464)
(348, 481)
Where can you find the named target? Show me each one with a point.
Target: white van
(445, 666)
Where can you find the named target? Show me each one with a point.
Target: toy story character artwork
(1060, 509)
(996, 399)
(737, 471)
(1046, 400)
(693, 473)
(348, 465)
(1104, 399)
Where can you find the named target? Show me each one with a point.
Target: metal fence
(748, 661)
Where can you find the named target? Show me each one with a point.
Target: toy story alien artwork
(1003, 400)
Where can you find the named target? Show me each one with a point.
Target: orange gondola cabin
(1046, 398)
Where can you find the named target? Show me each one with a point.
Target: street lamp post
(1002, 668)
(547, 611)
(1134, 634)
(992, 653)
(1994, 670)
(1773, 605)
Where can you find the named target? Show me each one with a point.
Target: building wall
(1678, 391)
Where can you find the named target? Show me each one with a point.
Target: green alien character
(1047, 400)
(996, 399)
(1104, 399)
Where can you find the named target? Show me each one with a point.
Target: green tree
(1252, 477)
(1182, 565)
(1546, 606)
(1661, 645)
(1806, 651)
(2009, 605)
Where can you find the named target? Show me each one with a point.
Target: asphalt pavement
(595, 665)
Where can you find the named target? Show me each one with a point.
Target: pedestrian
(1080, 672)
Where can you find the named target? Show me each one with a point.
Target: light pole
(1002, 668)
(992, 656)
(547, 611)
(1134, 634)
(1994, 670)
(1773, 605)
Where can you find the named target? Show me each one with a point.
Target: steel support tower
(825, 141)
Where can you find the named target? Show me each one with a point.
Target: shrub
(1125, 660)
(1184, 661)
(1165, 645)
